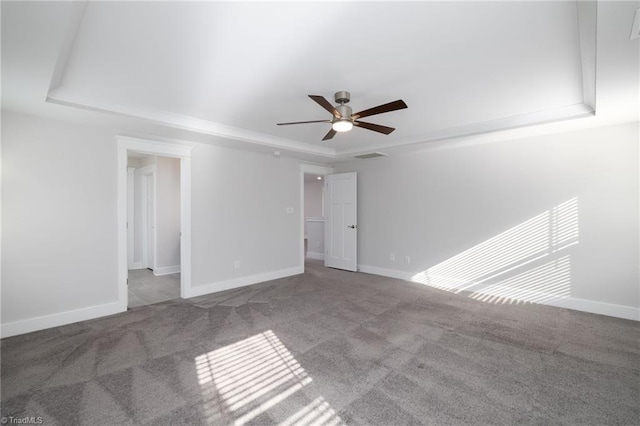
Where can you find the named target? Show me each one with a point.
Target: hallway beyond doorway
(147, 289)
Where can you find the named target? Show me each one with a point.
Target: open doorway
(153, 232)
(314, 216)
(312, 212)
(153, 263)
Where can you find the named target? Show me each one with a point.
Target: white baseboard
(62, 318)
(136, 265)
(317, 256)
(391, 273)
(166, 270)
(201, 290)
(601, 308)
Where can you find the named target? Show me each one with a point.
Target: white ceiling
(227, 72)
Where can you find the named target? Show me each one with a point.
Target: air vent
(370, 155)
(635, 28)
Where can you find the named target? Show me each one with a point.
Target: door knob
(353, 226)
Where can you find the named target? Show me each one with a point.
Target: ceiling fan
(343, 119)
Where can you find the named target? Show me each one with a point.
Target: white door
(341, 228)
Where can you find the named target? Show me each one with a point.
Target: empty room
(320, 213)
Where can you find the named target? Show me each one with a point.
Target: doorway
(145, 233)
(314, 216)
(154, 228)
(312, 212)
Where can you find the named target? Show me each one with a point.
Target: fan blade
(329, 135)
(325, 104)
(304, 122)
(391, 106)
(375, 127)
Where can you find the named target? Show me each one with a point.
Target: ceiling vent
(370, 155)
(635, 28)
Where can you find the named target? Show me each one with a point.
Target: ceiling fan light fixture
(343, 125)
(343, 119)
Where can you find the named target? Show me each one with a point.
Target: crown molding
(482, 128)
(192, 124)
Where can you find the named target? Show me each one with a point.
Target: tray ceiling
(235, 69)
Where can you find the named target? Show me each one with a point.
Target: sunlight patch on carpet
(245, 379)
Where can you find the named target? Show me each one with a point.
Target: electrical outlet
(407, 259)
(392, 257)
(236, 264)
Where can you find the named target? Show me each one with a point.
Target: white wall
(434, 205)
(58, 218)
(315, 238)
(59, 245)
(313, 198)
(239, 213)
(167, 213)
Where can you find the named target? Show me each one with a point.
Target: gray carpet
(328, 347)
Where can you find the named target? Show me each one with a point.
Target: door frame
(145, 173)
(131, 229)
(308, 169)
(165, 149)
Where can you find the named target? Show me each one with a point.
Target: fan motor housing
(344, 110)
(342, 97)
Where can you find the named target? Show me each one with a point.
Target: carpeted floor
(328, 347)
